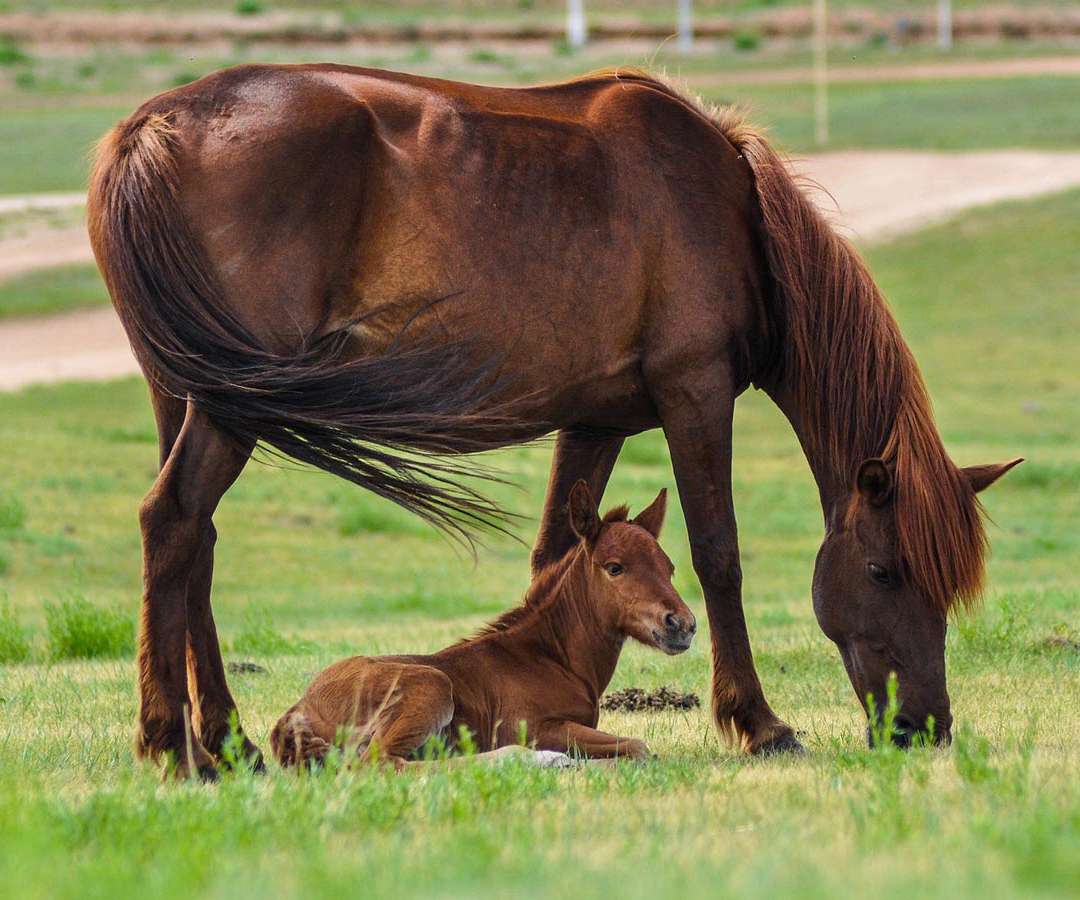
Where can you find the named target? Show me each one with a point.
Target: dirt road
(878, 195)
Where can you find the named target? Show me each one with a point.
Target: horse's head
(629, 574)
(870, 604)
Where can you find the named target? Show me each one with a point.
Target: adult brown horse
(536, 673)
(350, 265)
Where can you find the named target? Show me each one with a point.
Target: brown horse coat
(537, 672)
(350, 266)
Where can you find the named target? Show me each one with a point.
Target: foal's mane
(856, 383)
(544, 589)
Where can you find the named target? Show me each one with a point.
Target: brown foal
(538, 671)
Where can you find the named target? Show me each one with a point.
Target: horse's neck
(832, 487)
(570, 629)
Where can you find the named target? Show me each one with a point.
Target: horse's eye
(613, 569)
(879, 573)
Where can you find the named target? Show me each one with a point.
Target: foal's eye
(613, 569)
(879, 573)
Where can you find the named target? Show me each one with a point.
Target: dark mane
(541, 593)
(856, 382)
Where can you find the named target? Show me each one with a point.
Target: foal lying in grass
(545, 664)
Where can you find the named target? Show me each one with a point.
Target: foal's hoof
(785, 742)
(250, 760)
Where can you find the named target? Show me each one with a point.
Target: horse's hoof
(208, 774)
(785, 742)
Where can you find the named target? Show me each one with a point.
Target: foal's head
(629, 575)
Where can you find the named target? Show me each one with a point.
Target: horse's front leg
(578, 455)
(199, 465)
(697, 414)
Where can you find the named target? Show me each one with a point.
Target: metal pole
(944, 24)
(686, 26)
(821, 74)
(575, 23)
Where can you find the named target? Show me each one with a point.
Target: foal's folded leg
(574, 738)
(416, 702)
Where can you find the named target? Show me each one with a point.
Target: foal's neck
(571, 628)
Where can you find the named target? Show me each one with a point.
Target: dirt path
(928, 71)
(878, 195)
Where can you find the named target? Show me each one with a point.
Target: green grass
(52, 290)
(990, 305)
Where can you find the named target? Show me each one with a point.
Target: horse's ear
(584, 518)
(875, 482)
(981, 477)
(652, 517)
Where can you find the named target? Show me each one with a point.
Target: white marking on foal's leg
(552, 759)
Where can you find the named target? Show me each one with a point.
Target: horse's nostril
(672, 622)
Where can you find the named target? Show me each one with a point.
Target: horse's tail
(294, 741)
(381, 422)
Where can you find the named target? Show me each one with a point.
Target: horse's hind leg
(199, 464)
(578, 455)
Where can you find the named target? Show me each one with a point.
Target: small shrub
(11, 54)
(14, 647)
(182, 78)
(484, 56)
(746, 39)
(258, 637)
(79, 630)
(248, 7)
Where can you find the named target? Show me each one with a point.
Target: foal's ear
(981, 477)
(875, 482)
(651, 518)
(584, 518)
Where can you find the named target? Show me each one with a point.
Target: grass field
(308, 570)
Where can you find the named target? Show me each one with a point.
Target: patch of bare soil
(639, 700)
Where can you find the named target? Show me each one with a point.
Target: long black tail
(384, 422)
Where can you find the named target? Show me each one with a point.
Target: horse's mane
(856, 383)
(543, 590)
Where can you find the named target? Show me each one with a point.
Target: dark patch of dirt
(1062, 642)
(639, 700)
(246, 668)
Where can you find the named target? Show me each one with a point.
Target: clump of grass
(484, 56)
(11, 54)
(258, 637)
(182, 78)
(79, 630)
(746, 40)
(248, 7)
(14, 646)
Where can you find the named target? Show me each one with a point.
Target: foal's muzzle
(677, 633)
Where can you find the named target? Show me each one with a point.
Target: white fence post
(821, 73)
(686, 26)
(576, 31)
(944, 24)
